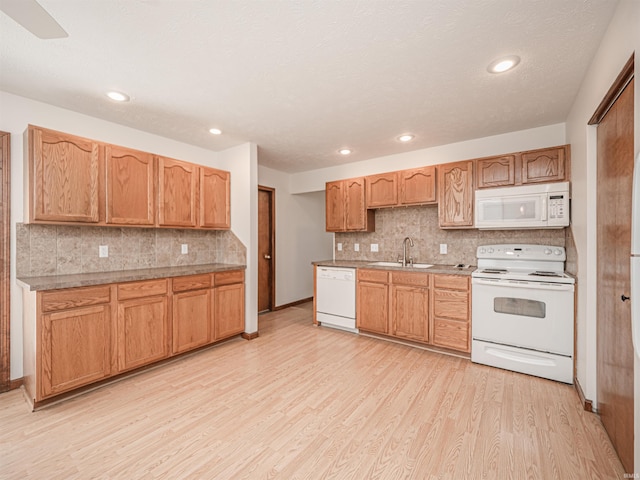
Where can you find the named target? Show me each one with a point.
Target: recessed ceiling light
(215, 131)
(407, 137)
(344, 151)
(503, 64)
(118, 96)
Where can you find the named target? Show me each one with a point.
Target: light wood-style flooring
(305, 402)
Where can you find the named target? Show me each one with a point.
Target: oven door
(533, 315)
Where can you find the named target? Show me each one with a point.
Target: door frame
(5, 266)
(272, 240)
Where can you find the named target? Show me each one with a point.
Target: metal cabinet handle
(624, 298)
(267, 256)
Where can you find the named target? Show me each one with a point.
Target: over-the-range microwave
(529, 206)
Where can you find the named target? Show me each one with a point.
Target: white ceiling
(304, 78)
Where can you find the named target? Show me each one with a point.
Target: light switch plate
(443, 248)
(374, 247)
(185, 248)
(339, 247)
(356, 247)
(103, 251)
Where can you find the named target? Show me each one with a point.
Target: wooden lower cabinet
(229, 310)
(191, 320)
(372, 310)
(451, 312)
(410, 305)
(75, 339)
(78, 336)
(428, 308)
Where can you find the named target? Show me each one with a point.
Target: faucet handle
(410, 262)
(399, 259)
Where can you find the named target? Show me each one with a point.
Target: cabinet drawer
(377, 276)
(192, 282)
(451, 334)
(451, 282)
(227, 278)
(142, 289)
(450, 304)
(407, 278)
(75, 297)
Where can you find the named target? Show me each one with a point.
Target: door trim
(5, 267)
(618, 86)
(272, 240)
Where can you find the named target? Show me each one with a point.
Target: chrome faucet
(404, 252)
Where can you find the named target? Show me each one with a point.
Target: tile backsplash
(421, 224)
(60, 249)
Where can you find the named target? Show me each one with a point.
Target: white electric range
(523, 310)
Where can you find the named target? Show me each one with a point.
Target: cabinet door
(143, 335)
(334, 202)
(455, 187)
(418, 185)
(373, 307)
(410, 312)
(496, 171)
(75, 348)
(129, 186)
(177, 182)
(191, 320)
(229, 310)
(355, 207)
(63, 177)
(215, 206)
(543, 165)
(382, 190)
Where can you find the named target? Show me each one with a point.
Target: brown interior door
(615, 350)
(266, 250)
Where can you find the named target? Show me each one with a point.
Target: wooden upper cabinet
(455, 198)
(334, 203)
(64, 175)
(129, 186)
(215, 204)
(417, 185)
(548, 165)
(177, 185)
(357, 217)
(346, 207)
(382, 190)
(496, 171)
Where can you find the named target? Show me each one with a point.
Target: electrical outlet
(356, 247)
(103, 251)
(374, 247)
(443, 248)
(339, 247)
(185, 248)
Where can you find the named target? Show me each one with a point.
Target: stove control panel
(522, 252)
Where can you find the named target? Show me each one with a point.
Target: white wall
(300, 236)
(620, 41)
(18, 112)
(548, 136)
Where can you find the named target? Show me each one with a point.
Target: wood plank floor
(305, 402)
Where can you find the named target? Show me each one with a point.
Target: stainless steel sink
(396, 264)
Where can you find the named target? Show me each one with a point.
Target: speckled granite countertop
(53, 282)
(437, 268)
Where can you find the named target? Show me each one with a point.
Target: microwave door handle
(545, 199)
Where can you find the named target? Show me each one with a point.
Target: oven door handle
(556, 287)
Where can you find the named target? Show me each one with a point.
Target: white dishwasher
(336, 297)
